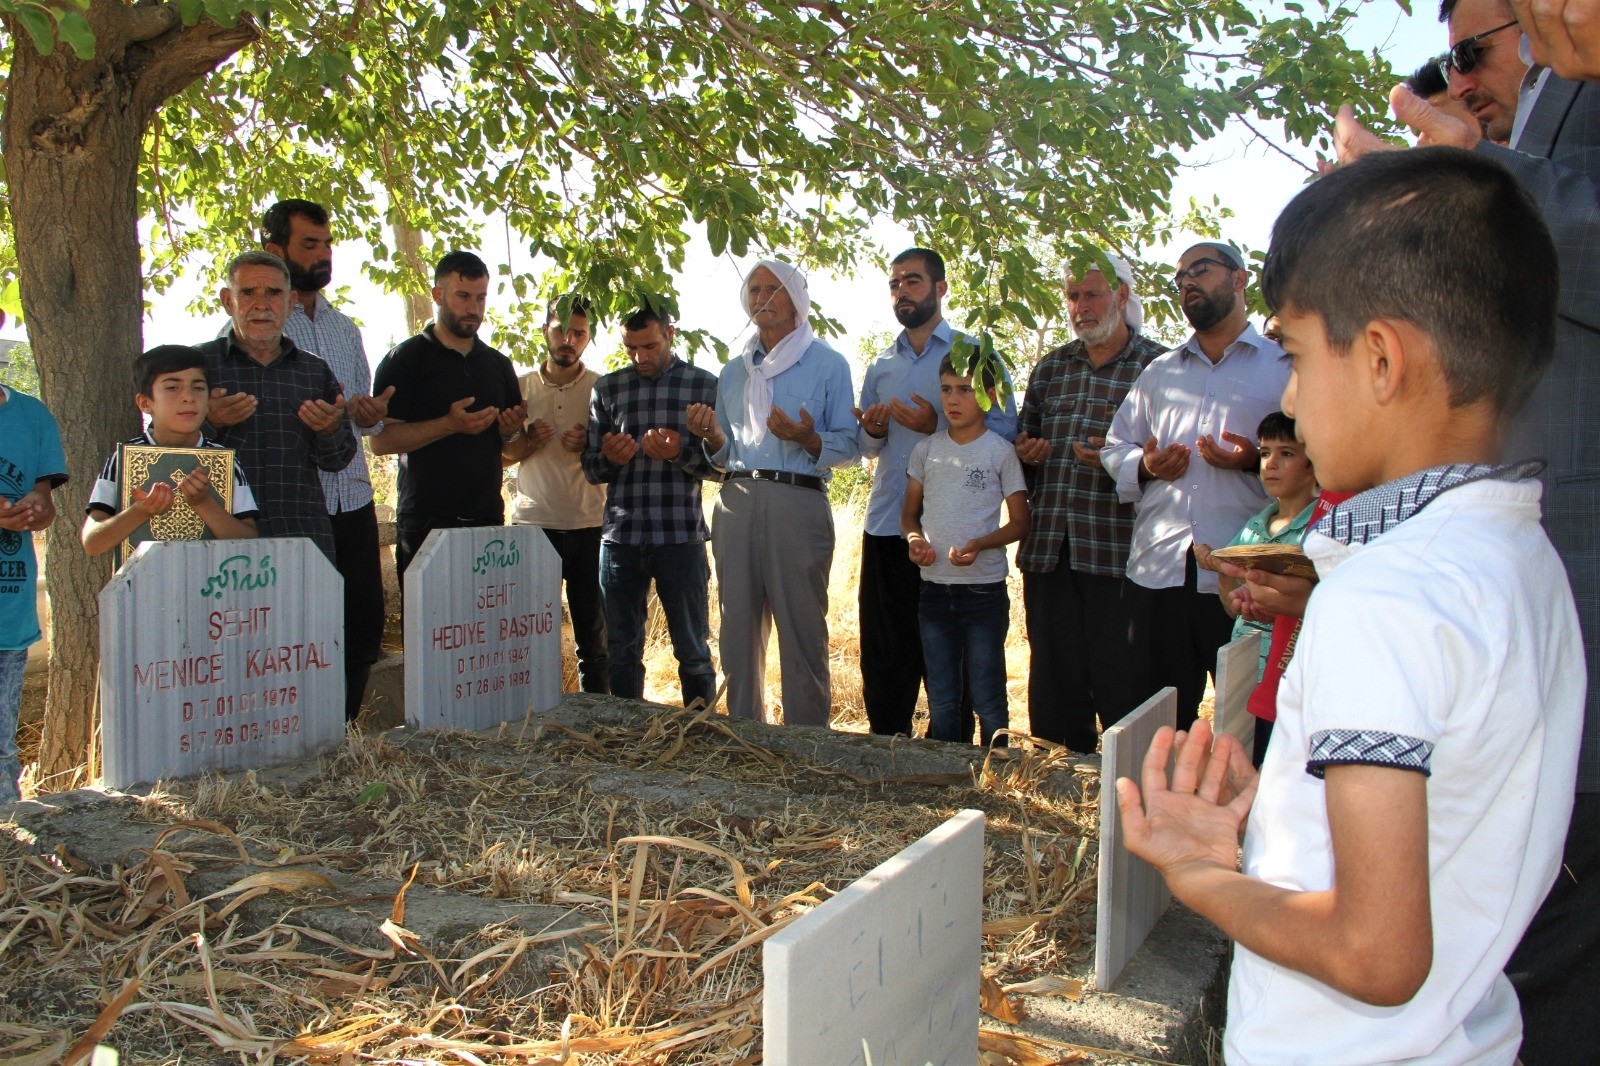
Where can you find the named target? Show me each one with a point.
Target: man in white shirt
(552, 492)
(1179, 450)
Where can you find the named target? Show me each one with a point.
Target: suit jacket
(1557, 160)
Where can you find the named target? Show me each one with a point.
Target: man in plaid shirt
(654, 527)
(1074, 558)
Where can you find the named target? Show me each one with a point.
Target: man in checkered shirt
(1081, 660)
(654, 527)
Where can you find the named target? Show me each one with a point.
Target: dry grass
(681, 897)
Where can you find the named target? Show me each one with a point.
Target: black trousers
(580, 570)
(1179, 631)
(1082, 668)
(356, 556)
(891, 640)
(1556, 968)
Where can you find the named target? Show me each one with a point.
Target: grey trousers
(774, 546)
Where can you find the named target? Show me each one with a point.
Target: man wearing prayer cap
(1181, 449)
(782, 421)
(1081, 663)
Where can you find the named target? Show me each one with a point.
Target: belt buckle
(763, 475)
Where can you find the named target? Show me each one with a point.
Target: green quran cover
(143, 465)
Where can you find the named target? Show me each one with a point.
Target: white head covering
(1133, 313)
(784, 354)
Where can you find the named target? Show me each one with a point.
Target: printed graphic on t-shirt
(977, 479)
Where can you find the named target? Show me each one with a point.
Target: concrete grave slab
(1131, 894)
(1237, 665)
(482, 628)
(887, 971)
(219, 655)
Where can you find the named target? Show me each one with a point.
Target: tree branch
(163, 65)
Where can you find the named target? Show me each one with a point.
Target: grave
(886, 972)
(482, 628)
(219, 655)
(1131, 894)
(1237, 665)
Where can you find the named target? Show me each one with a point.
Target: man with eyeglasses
(1179, 449)
(1555, 154)
(1484, 66)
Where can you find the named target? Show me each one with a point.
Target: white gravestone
(887, 971)
(482, 627)
(1238, 663)
(1131, 893)
(219, 655)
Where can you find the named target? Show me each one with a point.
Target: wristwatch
(512, 439)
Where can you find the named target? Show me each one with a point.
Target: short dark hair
(166, 359)
(644, 316)
(1438, 237)
(1446, 9)
(256, 257)
(1276, 426)
(1429, 80)
(464, 265)
(579, 306)
(986, 371)
(275, 223)
(930, 258)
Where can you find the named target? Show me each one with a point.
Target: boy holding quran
(169, 483)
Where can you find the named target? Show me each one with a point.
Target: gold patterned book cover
(143, 465)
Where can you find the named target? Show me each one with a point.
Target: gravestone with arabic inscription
(219, 655)
(482, 627)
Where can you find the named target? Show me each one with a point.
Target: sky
(1252, 180)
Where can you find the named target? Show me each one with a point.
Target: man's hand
(619, 448)
(1203, 559)
(575, 439)
(701, 419)
(965, 555)
(368, 411)
(461, 420)
(1352, 140)
(1032, 451)
(1165, 464)
(539, 434)
(663, 444)
(875, 419)
(323, 417)
(156, 502)
(1194, 823)
(1565, 35)
(918, 415)
(785, 428)
(196, 487)
(1089, 454)
(1237, 453)
(1264, 595)
(920, 551)
(230, 408)
(511, 419)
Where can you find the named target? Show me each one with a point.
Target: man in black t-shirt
(456, 408)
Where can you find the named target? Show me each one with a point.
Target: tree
(607, 134)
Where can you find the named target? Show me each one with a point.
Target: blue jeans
(12, 664)
(965, 622)
(681, 575)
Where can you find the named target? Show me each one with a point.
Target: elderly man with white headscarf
(1073, 560)
(782, 421)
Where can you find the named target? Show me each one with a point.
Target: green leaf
(40, 26)
(74, 29)
(374, 792)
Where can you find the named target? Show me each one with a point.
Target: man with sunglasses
(1179, 448)
(1555, 153)
(1484, 66)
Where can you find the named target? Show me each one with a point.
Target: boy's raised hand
(156, 501)
(920, 551)
(1267, 594)
(965, 555)
(196, 487)
(1192, 822)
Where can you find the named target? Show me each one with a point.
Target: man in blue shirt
(899, 407)
(782, 421)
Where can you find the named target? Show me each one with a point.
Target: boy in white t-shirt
(1418, 785)
(958, 480)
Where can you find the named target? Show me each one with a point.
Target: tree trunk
(73, 132)
(419, 308)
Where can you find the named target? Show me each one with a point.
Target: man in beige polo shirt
(552, 492)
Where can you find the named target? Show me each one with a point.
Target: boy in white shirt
(1418, 785)
(957, 481)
